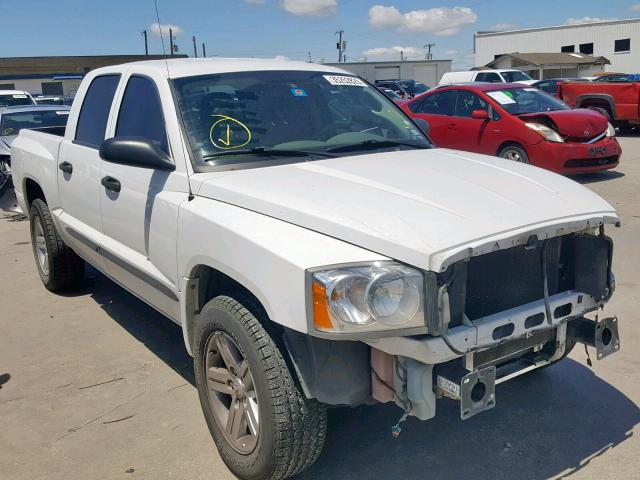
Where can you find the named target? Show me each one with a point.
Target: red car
(520, 123)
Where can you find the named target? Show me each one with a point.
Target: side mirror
(135, 151)
(422, 124)
(480, 115)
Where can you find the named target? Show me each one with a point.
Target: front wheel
(262, 425)
(514, 153)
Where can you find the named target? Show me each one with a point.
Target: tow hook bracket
(600, 334)
(476, 391)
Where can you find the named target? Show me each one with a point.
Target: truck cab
(313, 245)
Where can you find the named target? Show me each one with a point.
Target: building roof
(541, 59)
(25, 67)
(559, 27)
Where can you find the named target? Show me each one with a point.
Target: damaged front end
(497, 316)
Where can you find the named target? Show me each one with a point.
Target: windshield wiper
(268, 152)
(374, 144)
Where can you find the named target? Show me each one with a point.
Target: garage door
(387, 73)
(427, 74)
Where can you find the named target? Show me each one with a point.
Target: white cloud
(503, 26)
(635, 8)
(451, 52)
(441, 22)
(157, 28)
(312, 8)
(408, 52)
(255, 2)
(281, 57)
(580, 21)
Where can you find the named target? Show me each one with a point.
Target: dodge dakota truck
(313, 245)
(619, 102)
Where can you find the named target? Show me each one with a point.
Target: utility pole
(204, 51)
(341, 46)
(309, 57)
(401, 55)
(146, 44)
(195, 50)
(171, 42)
(428, 47)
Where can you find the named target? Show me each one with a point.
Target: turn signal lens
(320, 308)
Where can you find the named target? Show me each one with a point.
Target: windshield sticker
(228, 133)
(344, 80)
(501, 97)
(298, 92)
(19, 95)
(62, 112)
(530, 89)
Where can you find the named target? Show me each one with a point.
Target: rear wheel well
(598, 104)
(33, 191)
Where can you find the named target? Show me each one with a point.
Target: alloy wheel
(232, 393)
(40, 245)
(513, 155)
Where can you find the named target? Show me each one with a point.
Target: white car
(491, 76)
(15, 98)
(313, 245)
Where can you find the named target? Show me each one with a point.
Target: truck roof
(187, 67)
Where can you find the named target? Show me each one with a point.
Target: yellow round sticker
(228, 133)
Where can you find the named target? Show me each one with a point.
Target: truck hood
(578, 123)
(427, 208)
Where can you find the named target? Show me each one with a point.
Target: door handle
(111, 183)
(66, 167)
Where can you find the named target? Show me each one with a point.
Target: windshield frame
(199, 165)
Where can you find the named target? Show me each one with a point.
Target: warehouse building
(616, 40)
(428, 72)
(56, 75)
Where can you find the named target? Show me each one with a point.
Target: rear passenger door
(79, 169)
(436, 109)
(140, 220)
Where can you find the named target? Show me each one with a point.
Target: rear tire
(58, 265)
(281, 432)
(602, 111)
(514, 152)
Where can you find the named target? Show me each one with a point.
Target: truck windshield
(13, 99)
(515, 76)
(518, 101)
(256, 116)
(12, 123)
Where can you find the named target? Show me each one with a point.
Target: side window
(141, 113)
(491, 77)
(467, 102)
(92, 122)
(440, 103)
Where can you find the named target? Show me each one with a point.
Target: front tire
(263, 426)
(58, 265)
(514, 153)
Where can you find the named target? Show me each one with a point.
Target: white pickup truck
(314, 246)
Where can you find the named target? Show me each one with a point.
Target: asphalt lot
(97, 385)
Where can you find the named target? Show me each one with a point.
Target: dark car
(390, 93)
(53, 100)
(550, 85)
(404, 88)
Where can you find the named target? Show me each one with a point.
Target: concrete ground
(97, 385)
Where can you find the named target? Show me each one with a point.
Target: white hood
(426, 208)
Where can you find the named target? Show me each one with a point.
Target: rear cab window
(94, 113)
(491, 77)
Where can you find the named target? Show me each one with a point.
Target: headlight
(611, 130)
(547, 133)
(368, 298)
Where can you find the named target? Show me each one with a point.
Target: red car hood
(578, 123)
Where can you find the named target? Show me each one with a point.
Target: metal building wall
(603, 37)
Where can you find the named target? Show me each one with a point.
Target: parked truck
(618, 102)
(313, 245)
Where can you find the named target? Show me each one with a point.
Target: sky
(295, 29)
